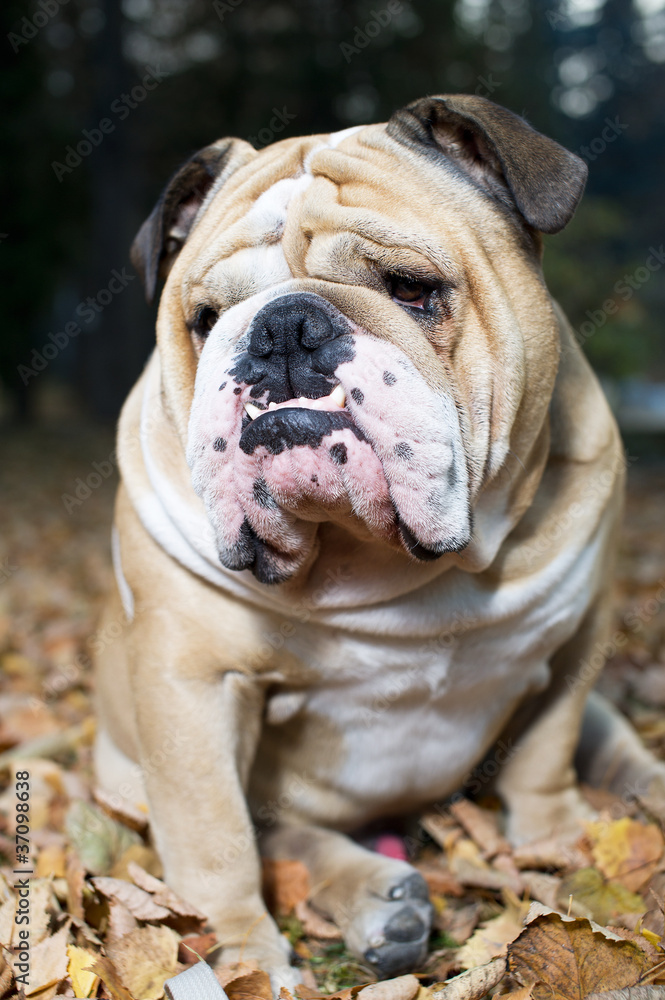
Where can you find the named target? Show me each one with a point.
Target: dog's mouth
(296, 423)
(379, 454)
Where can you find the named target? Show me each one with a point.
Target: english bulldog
(364, 534)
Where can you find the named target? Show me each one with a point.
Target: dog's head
(355, 328)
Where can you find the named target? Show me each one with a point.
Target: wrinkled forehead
(352, 188)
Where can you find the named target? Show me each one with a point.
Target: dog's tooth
(252, 411)
(272, 405)
(338, 396)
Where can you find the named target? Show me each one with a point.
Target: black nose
(293, 347)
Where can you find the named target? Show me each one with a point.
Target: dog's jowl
(341, 573)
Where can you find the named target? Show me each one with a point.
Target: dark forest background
(587, 72)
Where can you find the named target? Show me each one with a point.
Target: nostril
(315, 330)
(406, 925)
(261, 343)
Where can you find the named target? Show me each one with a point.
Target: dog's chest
(398, 717)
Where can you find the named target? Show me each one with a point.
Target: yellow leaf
(492, 938)
(600, 900)
(84, 982)
(145, 959)
(626, 851)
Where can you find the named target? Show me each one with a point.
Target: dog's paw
(284, 976)
(390, 921)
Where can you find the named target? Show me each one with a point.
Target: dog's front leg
(198, 730)
(539, 783)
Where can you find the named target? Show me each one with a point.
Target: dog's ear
(162, 235)
(499, 151)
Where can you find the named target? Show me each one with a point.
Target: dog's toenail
(397, 892)
(377, 941)
(372, 956)
(405, 926)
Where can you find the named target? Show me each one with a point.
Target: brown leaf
(48, 962)
(626, 851)
(459, 923)
(569, 958)
(440, 880)
(285, 883)
(400, 988)
(110, 977)
(145, 959)
(229, 971)
(121, 921)
(196, 946)
(161, 893)
(125, 813)
(631, 993)
(471, 985)
(550, 852)
(253, 986)
(139, 902)
(75, 876)
(482, 826)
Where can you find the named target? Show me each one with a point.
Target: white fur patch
(125, 591)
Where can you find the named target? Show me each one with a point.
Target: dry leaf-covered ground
(529, 923)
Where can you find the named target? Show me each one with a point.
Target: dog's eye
(204, 321)
(409, 291)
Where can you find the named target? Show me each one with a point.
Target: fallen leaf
(626, 851)
(443, 829)
(482, 826)
(229, 971)
(594, 897)
(145, 959)
(196, 946)
(98, 840)
(253, 986)
(440, 880)
(570, 958)
(125, 813)
(51, 861)
(550, 852)
(285, 883)
(139, 902)
(459, 923)
(471, 985)
(7, 925)
(400, 988)
(84, 982)
(121, 921)
(492, 938)
(110, 977)
(48, 962)
(161, 893)
(631, 993)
